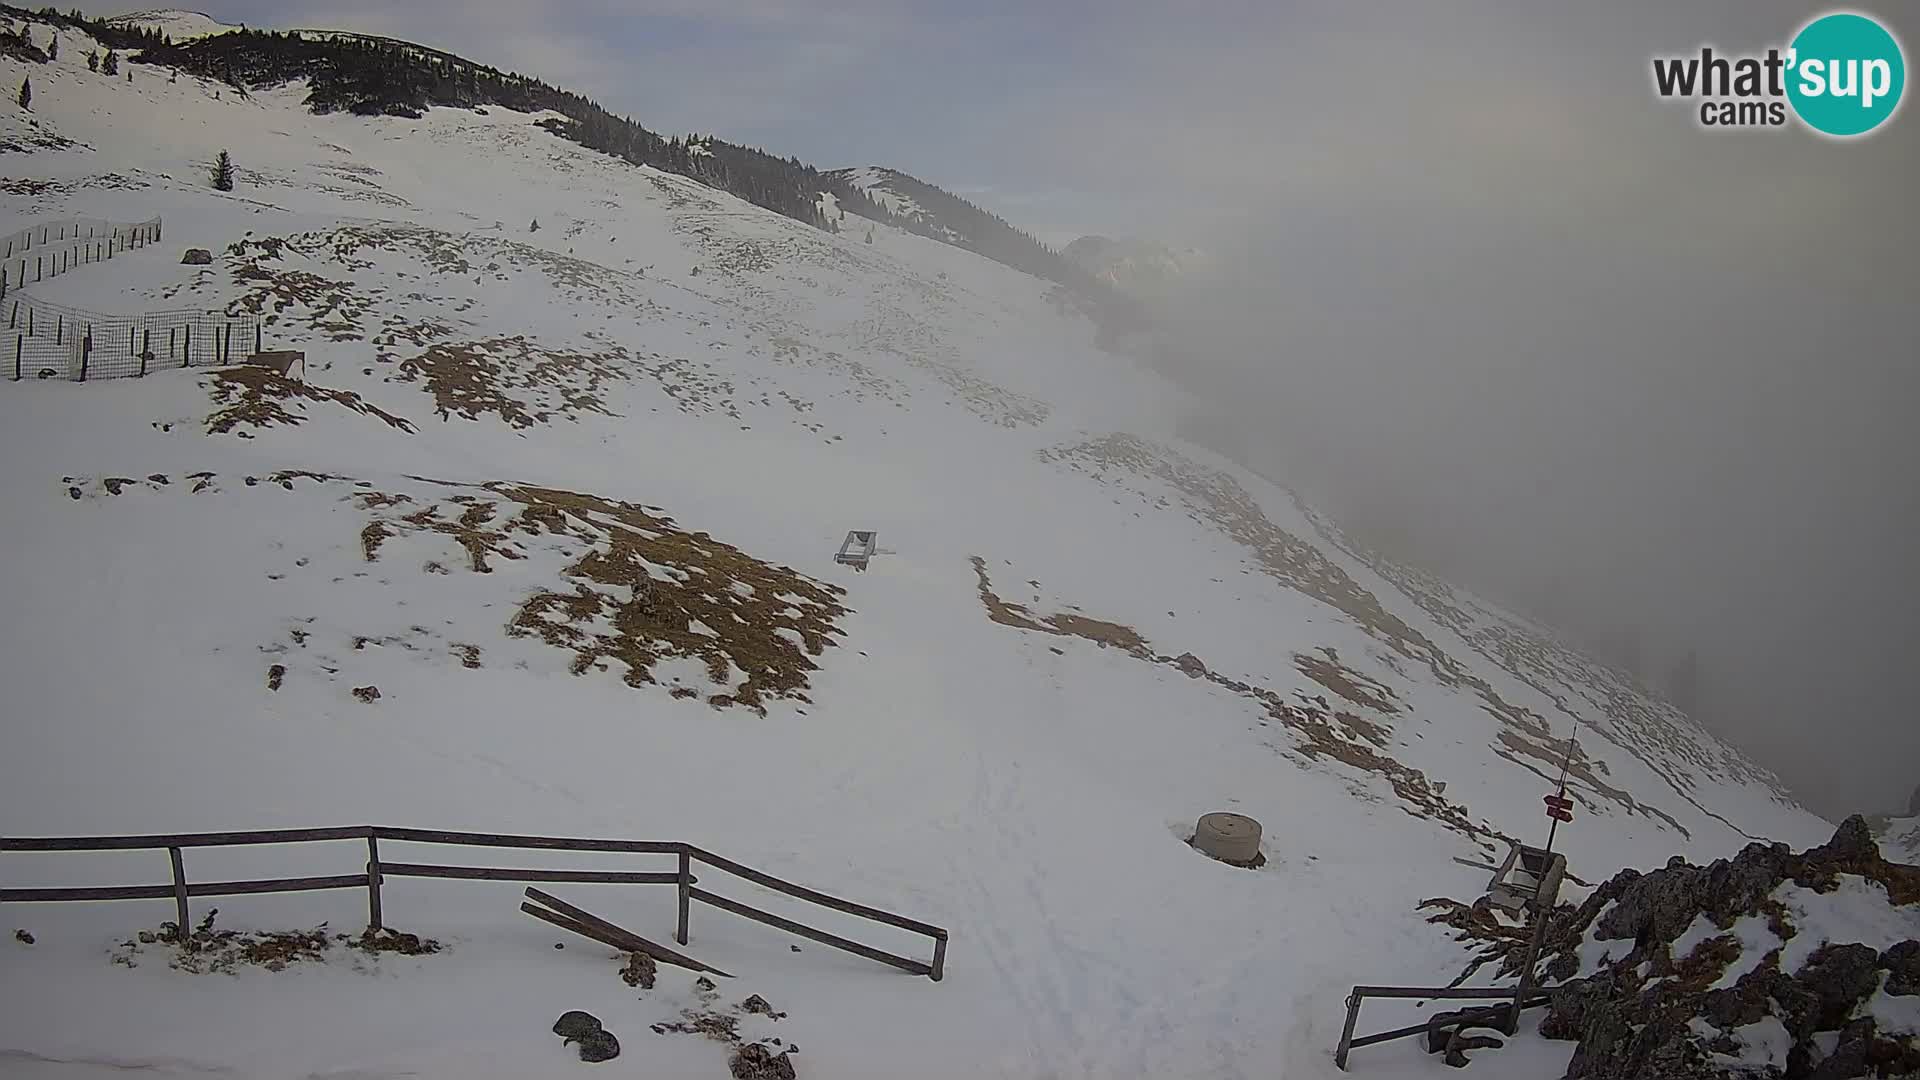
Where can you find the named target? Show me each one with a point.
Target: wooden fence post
(179, 892)
(86, 353)
(1346, 1034)
(59, 329)
(19, 346)
(686, 896)
(186, 346)
(146, 350)
(226, 348)
(939, 958)
(373, 882)
(256, 337)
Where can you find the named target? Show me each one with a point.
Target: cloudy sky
(1478, 289)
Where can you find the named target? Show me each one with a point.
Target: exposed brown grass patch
(644, 590)
(477, 377)
(253, 396)
(1319, 733)
(1216, 499)
(1098, 631)
(332, 308)
(1345, 682)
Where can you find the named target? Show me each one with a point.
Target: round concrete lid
(1226, 824)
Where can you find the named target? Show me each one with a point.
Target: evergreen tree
(93, 59)
(53, 48)
(869, 234)
(223, 172)
(26, 93)
(535, 227)
(110, 65)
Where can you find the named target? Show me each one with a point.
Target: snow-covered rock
(1770, 964)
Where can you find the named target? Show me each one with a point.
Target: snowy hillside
(177, 25)
(888, 190)
(576, 445)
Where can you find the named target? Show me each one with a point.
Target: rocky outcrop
(1707, 1011)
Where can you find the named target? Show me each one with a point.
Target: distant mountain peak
(1135, 267)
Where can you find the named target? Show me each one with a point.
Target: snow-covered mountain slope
(892, 191)
(1143, 269)
(568, 499)
(177, 25)
(1900, 839)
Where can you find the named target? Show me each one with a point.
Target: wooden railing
(181, 890)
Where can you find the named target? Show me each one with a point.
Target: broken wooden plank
(582, 929)
(621, 937)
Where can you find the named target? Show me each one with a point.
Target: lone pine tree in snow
(26, 93)
(223, 172)
(53, 48)
(535, 227)
(110, 65)
(93, 59)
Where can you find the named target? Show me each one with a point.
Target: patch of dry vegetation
(472, 378)
(333, 308)
(644, 591)
(1345, 682)
(205, 950)
(1318, 733)
(1218, 501)
(1653, 732)
(253, 396)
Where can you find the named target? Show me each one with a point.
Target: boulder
(755, 1061)
(598, 1046)
(197, 257)
(574, 1023)
(1840, 977)
(1903, 968)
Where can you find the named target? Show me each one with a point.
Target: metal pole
(1541, 913)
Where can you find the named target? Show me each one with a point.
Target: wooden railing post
(1346, 1033)
(939, 957)
(686, 895)
(373, 882)
(179, 893)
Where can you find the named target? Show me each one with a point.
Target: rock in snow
(1688, 999)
